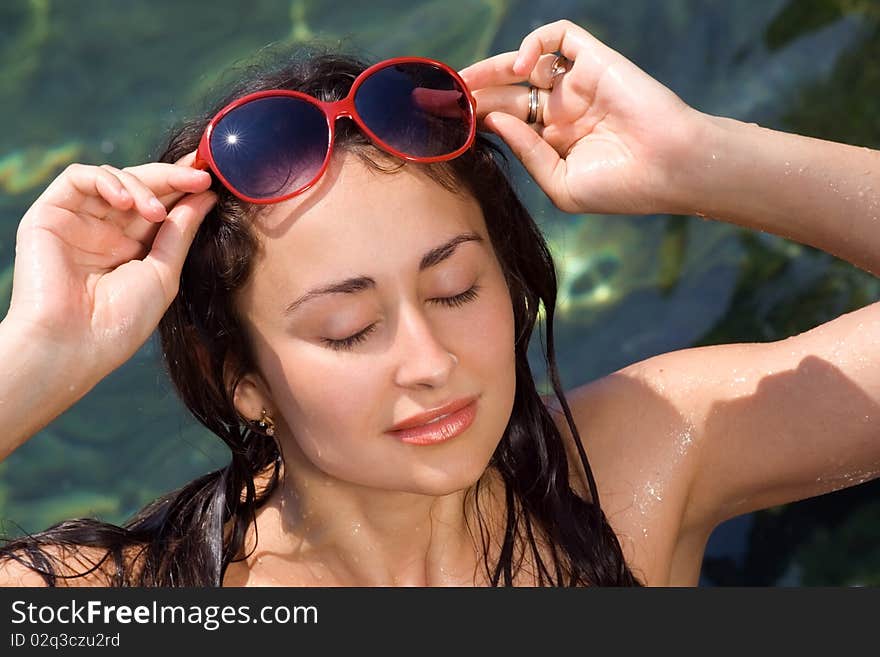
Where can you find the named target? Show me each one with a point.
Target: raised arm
(98, 260)
(813, 191)
(799, 417)
(754, 424)
(41, 379)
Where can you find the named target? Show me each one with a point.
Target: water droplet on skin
(686, 441)
(649, 488)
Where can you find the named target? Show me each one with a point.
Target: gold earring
(266, 424)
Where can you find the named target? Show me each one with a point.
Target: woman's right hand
(98, 257)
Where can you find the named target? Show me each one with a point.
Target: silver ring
(560, 66)
(533, 104)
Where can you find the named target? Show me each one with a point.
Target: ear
(250, 396)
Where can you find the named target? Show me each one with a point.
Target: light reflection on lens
(270, 146)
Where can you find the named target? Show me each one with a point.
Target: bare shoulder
(639, 443)
(73, 567)
(682, 441)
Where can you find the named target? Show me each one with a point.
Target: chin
(438, 482)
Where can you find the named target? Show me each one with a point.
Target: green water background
(99, 81)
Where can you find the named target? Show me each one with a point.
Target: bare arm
(97, 262)
(791, 419)
(765, 423)
(41, 380)
(821, 193)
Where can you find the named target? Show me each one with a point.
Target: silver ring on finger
(561, 65)
(533, 104)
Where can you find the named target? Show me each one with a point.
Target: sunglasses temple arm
(201, 161)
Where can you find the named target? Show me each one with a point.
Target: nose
(424, 360)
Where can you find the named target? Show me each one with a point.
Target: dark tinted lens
(270, 146)
(415, 108)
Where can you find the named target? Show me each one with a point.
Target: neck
(339, 533)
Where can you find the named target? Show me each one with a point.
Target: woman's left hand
(607, 138)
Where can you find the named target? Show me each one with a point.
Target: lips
(434, 414)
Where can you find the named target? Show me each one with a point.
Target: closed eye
(346, 344)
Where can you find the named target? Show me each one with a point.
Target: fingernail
(156, 204)
(518, 63)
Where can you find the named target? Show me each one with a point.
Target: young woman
(354, 324)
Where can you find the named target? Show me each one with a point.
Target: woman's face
(333, 406)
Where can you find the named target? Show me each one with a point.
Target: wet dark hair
(190, 536)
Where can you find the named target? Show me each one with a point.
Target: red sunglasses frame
(332, 112)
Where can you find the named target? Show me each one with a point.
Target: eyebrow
(359, 283)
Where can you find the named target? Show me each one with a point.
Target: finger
(79, 183)
(562, 36)
(99, 193)
(145, 201)
(137, 224)
(187, 160)
(539, 158)
(103, 221)
(142, 230)
(111, 190)
(175, 237)
(168, 180)
(513, 100)
(498, 70)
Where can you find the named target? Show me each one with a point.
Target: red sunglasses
(269, 146)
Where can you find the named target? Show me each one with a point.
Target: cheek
(489, 335)
(495, 351)
(334, 410)
(330, 405)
